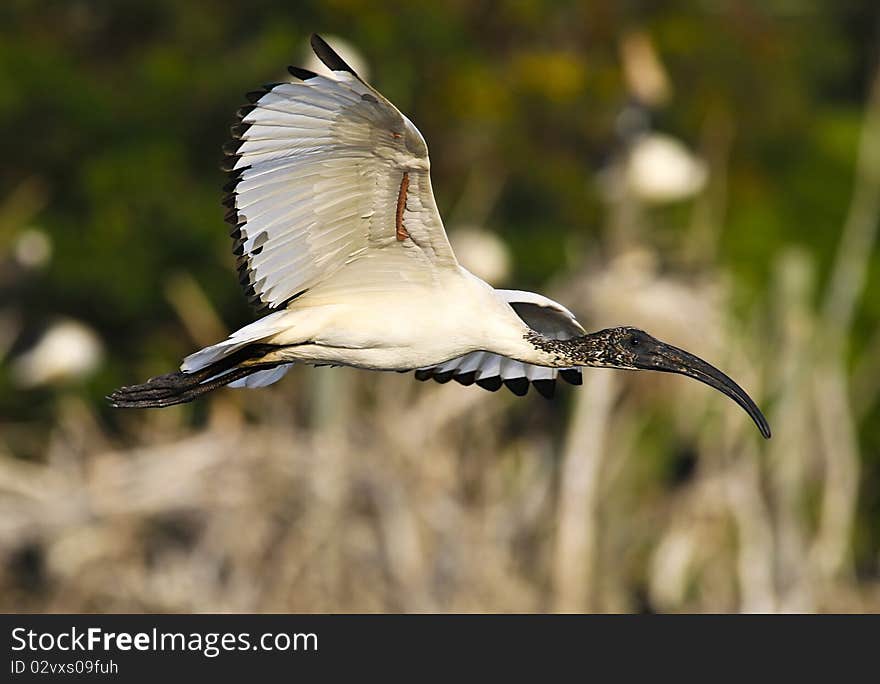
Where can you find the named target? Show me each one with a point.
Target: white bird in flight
(338, 236)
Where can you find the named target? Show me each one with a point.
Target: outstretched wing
(490, 371)
(323, 172)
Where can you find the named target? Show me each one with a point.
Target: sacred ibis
(338, 236)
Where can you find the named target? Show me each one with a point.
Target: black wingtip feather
(229, 163)
(492, 384)
(232, 216)
(231, 147)
(466, 379)
(546, 388)
(328, 55)
(237, 130)
(519, 386)
(300, 73)
(244, 110)
(571, 376)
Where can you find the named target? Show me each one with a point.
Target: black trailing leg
(180, 387)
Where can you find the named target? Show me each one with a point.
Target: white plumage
(338, 234)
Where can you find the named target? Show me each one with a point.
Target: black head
(635, 349)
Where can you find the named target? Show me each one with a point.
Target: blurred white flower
(346, 50)
(68, 350)
(33, 248)
(482, 253)
(660, 168)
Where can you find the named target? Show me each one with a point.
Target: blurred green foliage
(119, 110)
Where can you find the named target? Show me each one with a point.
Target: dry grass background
(340, 490)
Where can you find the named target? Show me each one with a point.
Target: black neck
(592, 349)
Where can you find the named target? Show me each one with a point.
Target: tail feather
(262, 378)
(242, 339)
(181, 387)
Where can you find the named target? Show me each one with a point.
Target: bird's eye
(634, 341)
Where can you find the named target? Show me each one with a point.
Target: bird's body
(337, 234)
(403, 328)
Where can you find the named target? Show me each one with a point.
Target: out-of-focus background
(707, 171)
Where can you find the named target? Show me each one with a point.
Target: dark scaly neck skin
(633, 349)
(598, 349)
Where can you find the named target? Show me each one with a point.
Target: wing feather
(316, 167)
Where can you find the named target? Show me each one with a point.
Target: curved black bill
(664, 357)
